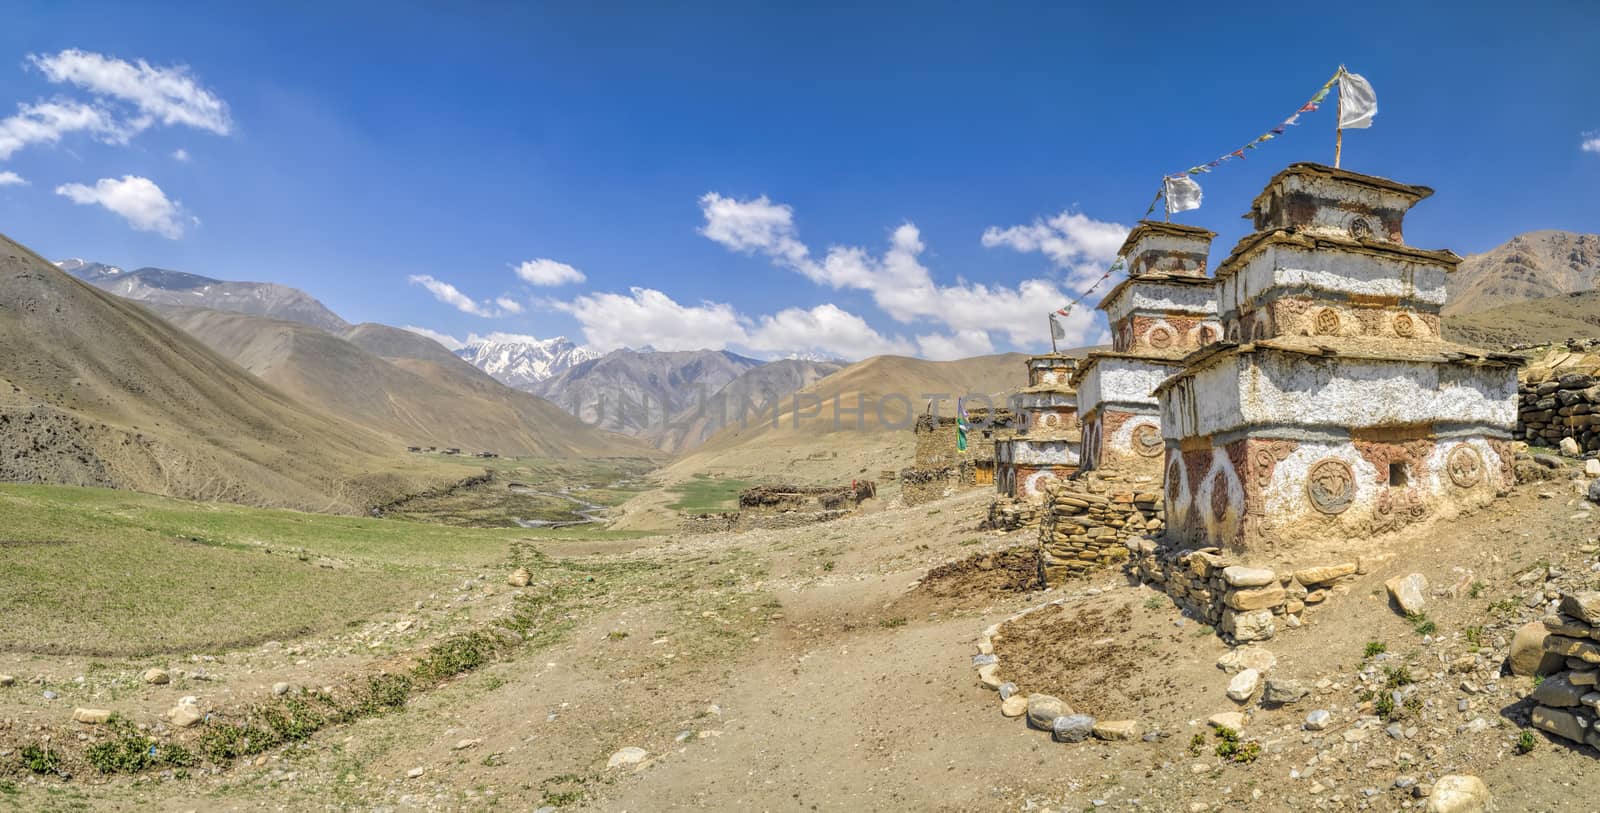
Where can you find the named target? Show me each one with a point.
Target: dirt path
(844, 689)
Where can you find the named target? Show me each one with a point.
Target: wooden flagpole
(1338, 132)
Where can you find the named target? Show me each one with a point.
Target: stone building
(1164, 310)
(1045, 446)
(1334, 410)
(939, 467)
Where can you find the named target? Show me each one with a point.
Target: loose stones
(1072, 728)
(1407, 592)
(1243, 685)
(1044, 709)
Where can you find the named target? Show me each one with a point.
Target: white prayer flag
(1183, 194)
(1057, 332)
(1357, 103)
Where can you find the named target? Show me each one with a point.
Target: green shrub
(1233, 749)
(40, 759)
(1375, 648)
(1526, 742)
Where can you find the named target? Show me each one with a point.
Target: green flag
(961, 426)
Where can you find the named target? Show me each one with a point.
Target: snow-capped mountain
(523, 361)
(91, 272)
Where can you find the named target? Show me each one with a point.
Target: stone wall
(1242, 602)
(1007, 514)
(1080, 529)
(1564, 700)
(708, 523)
(1560, 406)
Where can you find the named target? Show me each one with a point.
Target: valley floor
(812, 668)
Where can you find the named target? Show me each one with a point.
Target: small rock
(157, 677)
(280, 689)
(519, 577)
(1227, 719)
(1014, 706)
(1318, 720)
(49, 695)
(1116, 729)
(631, 755)
(1240, 576)
(184, 715)
(1044, 709)
(1243, 685)
(1458, 793)
(1569, 446)
(1007, 689)
(1072, 728)
(1323, 575)
(1591, 468)
(1408, 592)
(1247, 657)
(91, 716)
(988, 676)
(1283, 692)
(462, 745)
(415, 773)
(985, 660)
(8, 680)
(1582, 606)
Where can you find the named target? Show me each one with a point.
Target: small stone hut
(1334, 409)
(1164, 310)
(939, 466)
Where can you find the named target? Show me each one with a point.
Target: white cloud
(452, 296)
(825, 328)
(1591, 141)
(137, 200)
(501, 337)
(508, 305)
(649, 317)
(549, 273)
(905, 289)
(128, 98)
(180, 155)
(450, 343)
(959, 345)
(1073, 241)
(646, 316)
(171, 95)
(47, 122)
(12, 179)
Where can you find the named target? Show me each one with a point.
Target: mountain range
(165, 287)
(1534, 265)
(523, 362)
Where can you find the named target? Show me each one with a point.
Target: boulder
(1312, 576)
(1408, 592)
(1458, 793)
(1044, 709)
(1241, 576)
(1557, 691)
(520, 578)
(1528, 657)
(1591, 468)
(1583, 606)
(91, 716)
(156, 677)
(280, 689)
(1247, 657)
(1585, 651)
(1283, 692)
(1116, 729)
(1563, 724)
(1072, 728)
(1255, 598)
(1247, 626)
(1243, 685)
(1570, 447)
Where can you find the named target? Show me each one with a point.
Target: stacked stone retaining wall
(1566, 700)
(1567, 406)
(1080, 530)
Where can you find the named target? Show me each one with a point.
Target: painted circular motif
(1327, 322)
(1208, 334)
(1404, 326)
(1465, 466)
(1360, 228)
(1050, 420)
(1331, 485)
(1159, 337)
(1147, 440)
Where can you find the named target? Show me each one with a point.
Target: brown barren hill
(1539, 321)
(1534, 265)
(407, 386)
(96, 390)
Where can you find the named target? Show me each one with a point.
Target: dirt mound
(1088, 656)
(975, 582)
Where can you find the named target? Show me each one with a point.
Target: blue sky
(817, 177)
